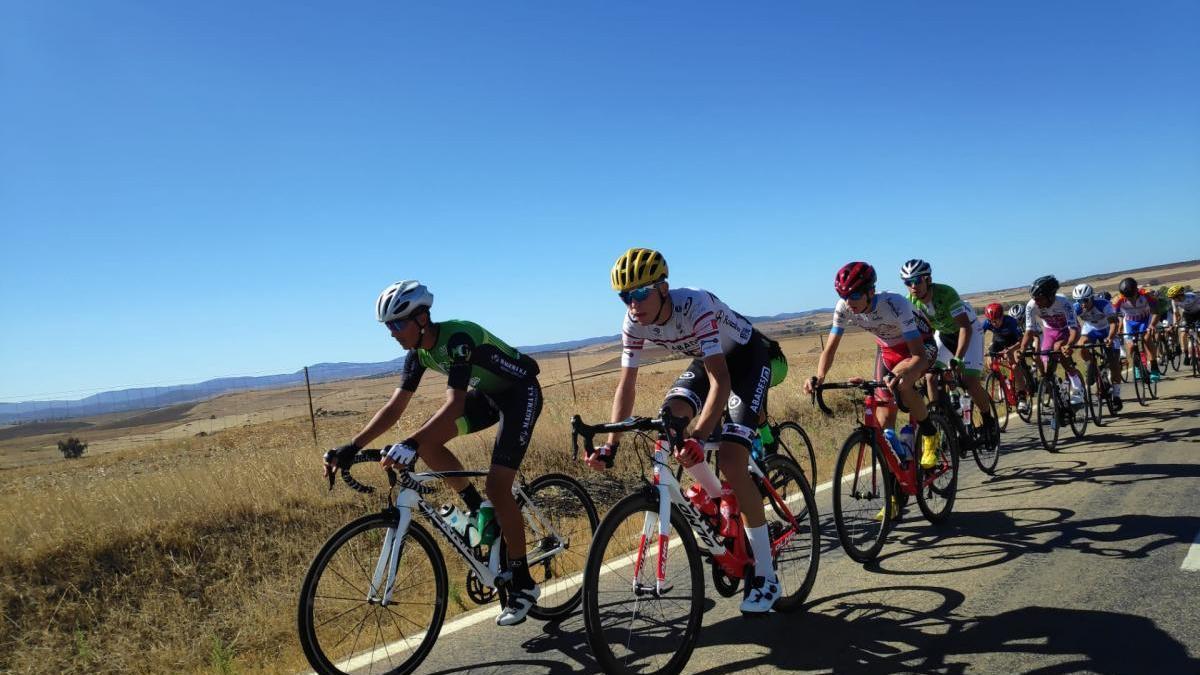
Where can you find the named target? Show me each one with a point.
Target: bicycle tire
(1151, 385)
(854, 509)
(575, 505)
(937, 501)
(677, 648)
(796, 563)
(994, 386)
(1078, 419)
(1102, 398)
(985, 449)
(1176, 353)
(358, 569)
(1140, 379)
(793, 448)
(1048, 414)
(1031, 387)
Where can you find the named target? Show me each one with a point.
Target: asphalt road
(1067, 562)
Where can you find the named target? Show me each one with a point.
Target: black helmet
(1043, 286)
(1128, 287)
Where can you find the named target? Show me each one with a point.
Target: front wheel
(938, 486)
(998, 393)
(1048, 414)
(1078, 415)
(793, 442)
(858, 501)
(347, 617)
(791, 511)
(986, 443)
(631, 625)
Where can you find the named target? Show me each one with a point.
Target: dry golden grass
(186, 555)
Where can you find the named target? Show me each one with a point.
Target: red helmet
(994, 312)
(855, 276)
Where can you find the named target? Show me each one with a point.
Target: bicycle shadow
(872, 632)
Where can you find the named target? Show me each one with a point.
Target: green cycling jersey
(469, 356)
(942, 308)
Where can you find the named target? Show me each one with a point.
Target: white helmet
(915, 268)
(1017, 312)
(401, 299)
(1082, 292)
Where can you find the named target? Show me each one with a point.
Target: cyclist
(1006, 340)
(487, 382)
(1139, 309)
(1185, 311)
(730, 372)
(906, 346)
(958, 332)
(1060, 328)
(1099, 324)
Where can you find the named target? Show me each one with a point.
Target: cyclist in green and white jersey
(959, 333)
(487, 382)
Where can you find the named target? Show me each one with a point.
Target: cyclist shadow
(879, 631)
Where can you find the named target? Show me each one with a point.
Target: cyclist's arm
(719, 386)
(918, 361)
(383, 420)
(1114, 326)
(826, 361)
(964, 335)
(623, 399)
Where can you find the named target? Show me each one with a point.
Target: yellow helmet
(1175, 291)
(638, 267)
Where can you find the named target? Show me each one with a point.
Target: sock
(1076, 383)
(471, 498)
(760, 544)
(926, 427)
(1116, 390)
(520, 573)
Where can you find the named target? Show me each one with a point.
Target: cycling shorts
(890, 356)
(1136, 327)
(1100, 335)
(1191, 318)
(999, 344)
(972, 359)
(750, 377)
(516, 409)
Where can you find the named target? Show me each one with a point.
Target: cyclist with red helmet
(905, 341)
(1006, 341)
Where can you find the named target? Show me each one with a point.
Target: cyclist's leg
(973, 369)
(478, 413)
(685, 400)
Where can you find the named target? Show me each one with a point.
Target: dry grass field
(178, 542)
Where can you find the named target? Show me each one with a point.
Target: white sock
(703, 474)
(760, 544)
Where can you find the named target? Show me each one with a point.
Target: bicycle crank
(479, 594)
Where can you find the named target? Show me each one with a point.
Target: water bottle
(965, 402)
(455, 518)
(756, 449)
(485, 523)
(764, 432)
(896, 445)
(908, 437)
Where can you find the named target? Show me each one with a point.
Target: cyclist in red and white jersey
(1059, 328)
(1185, 311)
(905, 340)
(1139, 310)
(730, 372)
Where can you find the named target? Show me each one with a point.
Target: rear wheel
(793, 442)
(1100, 398)
(1140, 378)
(1048, 414)
(791, 512)
(858, 502)
(995, 388)
(1078, 417)
(1028, 396)
(986, 443)
(937, 486)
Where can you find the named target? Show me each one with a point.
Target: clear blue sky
(189, 190)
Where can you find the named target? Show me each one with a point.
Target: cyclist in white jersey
(730, 373)
(1099, 325)
(1060, 328)
(1139, 310)
(1185, 311)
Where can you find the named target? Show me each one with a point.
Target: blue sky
(190, 190)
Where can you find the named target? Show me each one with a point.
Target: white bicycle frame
(408, 499)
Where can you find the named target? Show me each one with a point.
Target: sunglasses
(914, 281)
(856, 295)
(638, 294)
(397, 325)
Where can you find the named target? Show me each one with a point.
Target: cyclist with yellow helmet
(1185, 304)
(730, 372)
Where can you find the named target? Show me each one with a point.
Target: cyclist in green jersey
(959, 333)
(487, 382)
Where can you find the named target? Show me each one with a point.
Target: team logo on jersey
(687, 375)
(734, 401)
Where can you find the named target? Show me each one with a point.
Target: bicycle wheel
(1100, 399)
(1048, 414)
(1151, 385)
(795, 532)
(631, 627)
(343, 622)
(986, 446)
(994, 386)
(1026, 396)
(794, 442)
(1078, 417)
(1176, 352)
(1164, 355)
(861, 488)
(938, 486)
(561, 513)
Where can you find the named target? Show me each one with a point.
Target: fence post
(571, 372)
(311, 415)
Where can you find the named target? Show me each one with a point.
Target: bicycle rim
(795, 532)
(1140, 379)
(1027, 396)
(1097, 402)
(995, 389)
(562, 515)
(1047, 413)
(938, 486)
(631, 632)
(341, 631)
(1079, 418)
(860, 490)
(986, 450)
(794, 441)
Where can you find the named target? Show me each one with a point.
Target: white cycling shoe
(761, 595)
(520, 601)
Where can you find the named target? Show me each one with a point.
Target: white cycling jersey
(700, 326)
(1139, 308)
(1059, 316)
(891, 318)
(1096, 317)
(1188, 304)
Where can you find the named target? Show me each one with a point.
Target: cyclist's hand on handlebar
(603, 457)
(811, 384)
(340, 457)
(402, 454)
(690, 453)
(1065, 349)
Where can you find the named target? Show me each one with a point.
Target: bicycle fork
(383, 582)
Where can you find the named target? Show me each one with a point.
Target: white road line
(1191, 563)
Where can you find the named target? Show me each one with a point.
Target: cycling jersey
(700, 326)
(1188, 304)
(1095, 318)
(1139, 308)
(1008, 331)
(1058, 317)
(891, 318)
(469, 356)
(943, 308)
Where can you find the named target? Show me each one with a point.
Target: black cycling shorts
(999, 344)
(516, 409)
(750, 377)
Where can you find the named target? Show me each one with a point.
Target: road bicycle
(1054, 407)
(965, 416)
(1098, 378)
(376, 593)
(869, 473)
(1169, 353)
(642, 607)
(1001, 387)
(1144, 386)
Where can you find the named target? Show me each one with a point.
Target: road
(1067, 562)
